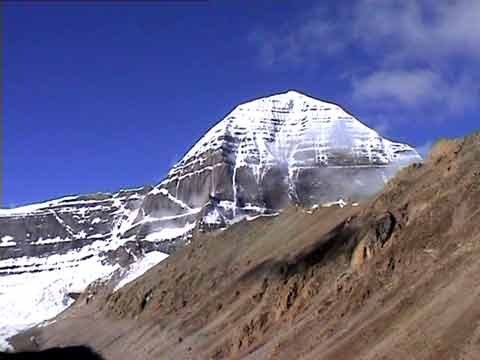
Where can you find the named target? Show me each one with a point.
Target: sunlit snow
(138, 268)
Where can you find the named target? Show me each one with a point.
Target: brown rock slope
(398, 278)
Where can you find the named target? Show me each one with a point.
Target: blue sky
(98, 97)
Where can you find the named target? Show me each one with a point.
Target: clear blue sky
(98, 97)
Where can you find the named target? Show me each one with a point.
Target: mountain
(394, 278)
(266, 153)
(282, 148)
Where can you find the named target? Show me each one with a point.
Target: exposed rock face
(263, 155)
(71, 223)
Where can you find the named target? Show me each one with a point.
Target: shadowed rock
(67, 353)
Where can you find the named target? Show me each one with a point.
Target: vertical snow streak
(234, 187)
(212, 183)
(178, 183)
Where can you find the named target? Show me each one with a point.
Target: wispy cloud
(424, 149)
(381, 125)
(419, 29)
(416, 53)
(416, 88)
(297, 41)
(411, 88)
(412, 29)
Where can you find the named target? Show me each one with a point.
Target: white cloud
(297, 41)
(407, 87)
(416, 89)
(418, 53)
(412, 28)
(419, 29)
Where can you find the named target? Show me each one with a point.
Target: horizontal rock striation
(285, 148)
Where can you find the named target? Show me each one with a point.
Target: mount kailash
(266, 153)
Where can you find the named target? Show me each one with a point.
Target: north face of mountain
(285, 148)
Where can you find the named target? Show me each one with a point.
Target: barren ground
(396, 278)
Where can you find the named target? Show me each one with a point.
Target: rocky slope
(395, 278)
(265, 154)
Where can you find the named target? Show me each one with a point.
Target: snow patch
(169, 233)
(213, 217)
(252, 218)
(341, 203)
(7, 241)
(55, 240)
(30, 298)
(138, 268)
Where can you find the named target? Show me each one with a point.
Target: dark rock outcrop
(61, 353)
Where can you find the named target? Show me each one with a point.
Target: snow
(179, 168)
(34, 289)
(213, 217)
(252, 218)
(124, 223)
(21, 210)
(281, 126)
(167, 219)
(340, 202)
(234, 187)
(27, 299)
(250, 207)
(7, 241)
(98, 236)
(172, 198)
(54, 240)
(170, 233)
(5, 333)
(67, 203)
(155, 191)
(292, 130)
(138, 268)
(226, 204)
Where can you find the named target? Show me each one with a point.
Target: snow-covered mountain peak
(291, 101)
(294, 129)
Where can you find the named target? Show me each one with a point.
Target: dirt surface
(396, 278)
